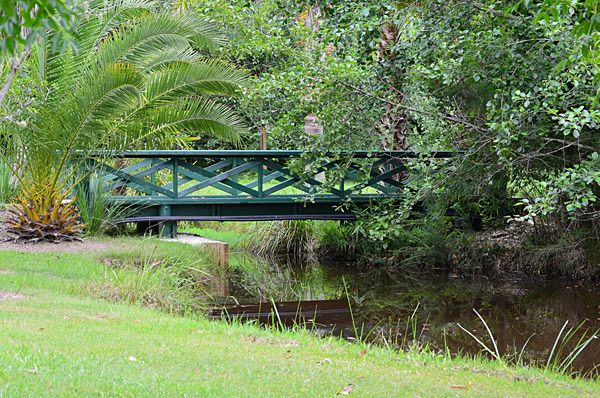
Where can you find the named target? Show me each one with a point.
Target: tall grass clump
(282, 237)
(334, 241)
(96, 210)
(9, 187)
(155, 277)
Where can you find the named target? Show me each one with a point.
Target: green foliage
(334, 240)
(140, 77)
(539, 116)
(423, 242)
(516, 84)
(22, 21)
(296, 71)
(95, 209)
(504, 80)
(576, 189)
(277, 237)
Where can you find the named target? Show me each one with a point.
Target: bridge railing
(246, 176)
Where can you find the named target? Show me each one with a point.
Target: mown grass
(60, 342)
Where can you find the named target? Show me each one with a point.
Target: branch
(15, 65)
(571, 143)
(446, 116)
(496, 13)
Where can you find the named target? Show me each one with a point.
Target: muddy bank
(519, 249)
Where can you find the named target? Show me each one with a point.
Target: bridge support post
(166, 229)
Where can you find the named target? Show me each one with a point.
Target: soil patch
(6, 295)
(63, 247)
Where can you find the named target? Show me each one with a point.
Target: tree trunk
(15, 65)
(312, 123)
(393, 122)
(16, 62)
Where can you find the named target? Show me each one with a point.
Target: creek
(399, 308)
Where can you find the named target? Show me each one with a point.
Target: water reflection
(403, 307)
(251, 280)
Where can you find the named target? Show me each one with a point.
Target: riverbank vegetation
(127, 349)
(513, 85)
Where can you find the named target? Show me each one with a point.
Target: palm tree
(138, 74)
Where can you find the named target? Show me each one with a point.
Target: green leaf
(539, 17)
(8, 7)
(585, 51)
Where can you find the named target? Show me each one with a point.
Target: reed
(560, 359)
(494, 353)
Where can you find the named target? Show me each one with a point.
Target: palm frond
(138, 78)
(207, 77)
(188, 117)
(88, 114)
(164, 59)
(99, 20)
(49, 63)
(138, 39)
(106, 17)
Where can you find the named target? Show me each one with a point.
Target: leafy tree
(291, 78)
(512, 84)
(516, 84)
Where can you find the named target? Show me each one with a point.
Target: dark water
(400, 308)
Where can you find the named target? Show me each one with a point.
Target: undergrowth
(282, 237)
(172, 279)
(95, 209)
(9, 187)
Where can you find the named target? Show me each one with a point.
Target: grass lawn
(56, 341)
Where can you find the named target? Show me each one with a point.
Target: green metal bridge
(163, 187)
